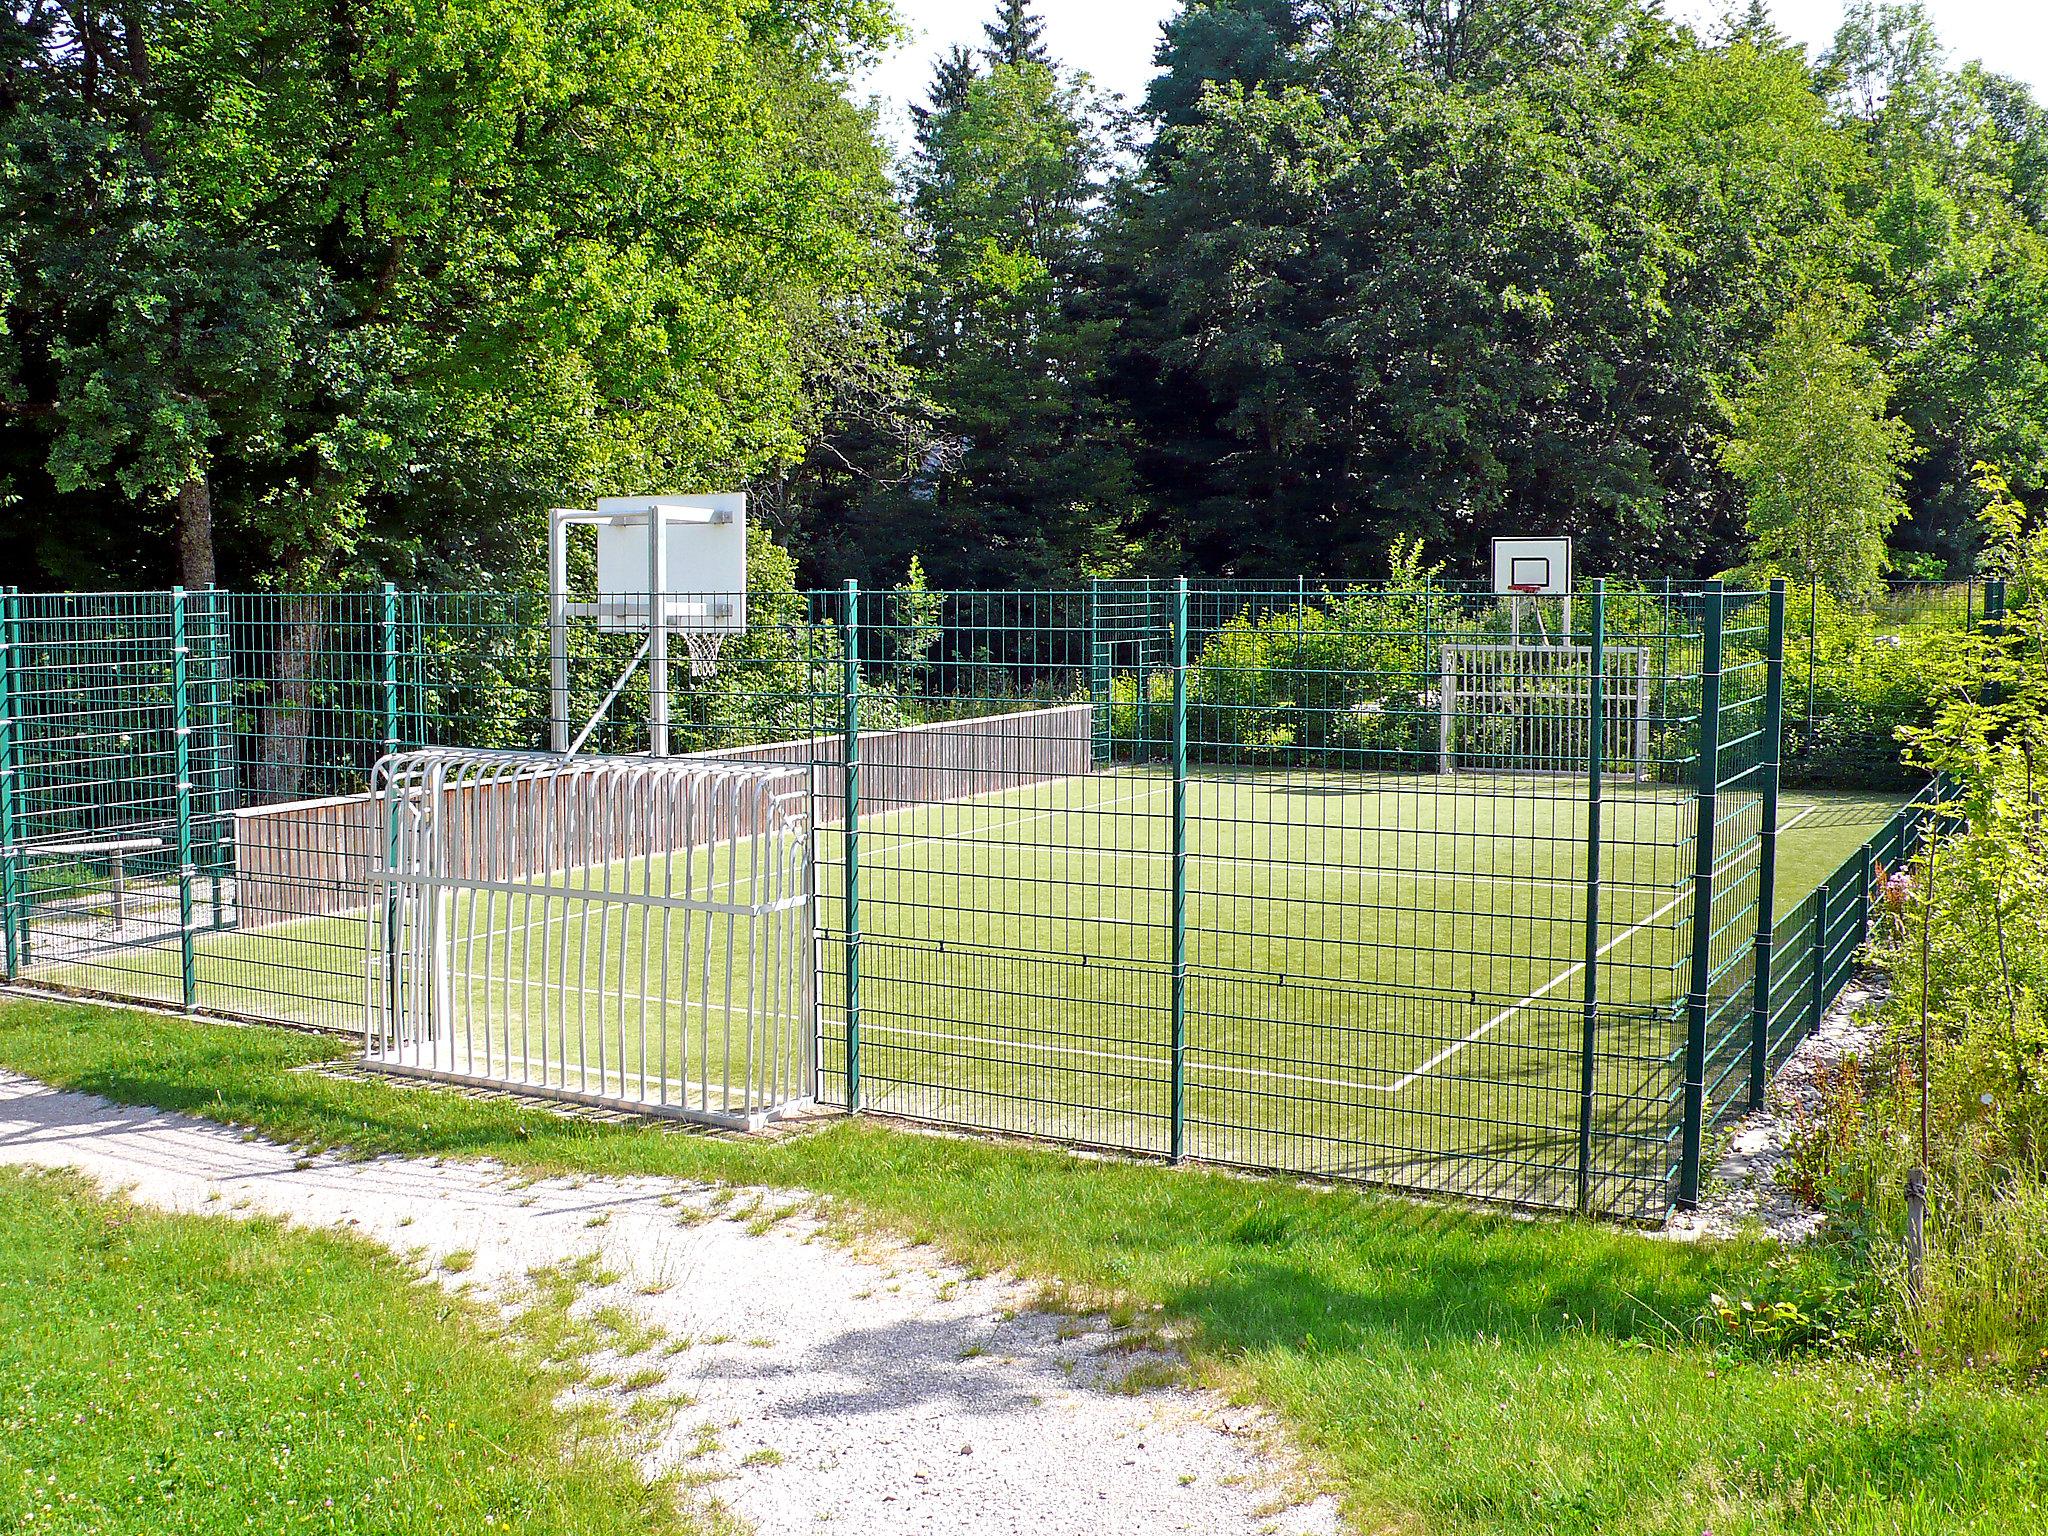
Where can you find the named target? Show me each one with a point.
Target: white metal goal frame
(1517, 709)
(627, 932)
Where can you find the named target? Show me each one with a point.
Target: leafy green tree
(1957, 259)
(299, 290)
(1367, 301)
(1017, 36)
(1820, 459)
(1024, 481)
(1219, 41)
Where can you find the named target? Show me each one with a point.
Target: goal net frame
(633, 933)
(1519, 709)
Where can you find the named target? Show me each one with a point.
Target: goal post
(1510, 709)
(629, 932)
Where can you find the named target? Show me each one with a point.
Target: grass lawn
(199, 1374)
(1449, 1371)
(1384, 979)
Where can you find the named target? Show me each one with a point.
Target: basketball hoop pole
(657, 633)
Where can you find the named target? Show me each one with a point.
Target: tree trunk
(194, 533)
(288, 719)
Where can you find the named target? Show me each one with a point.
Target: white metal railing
(627, 931)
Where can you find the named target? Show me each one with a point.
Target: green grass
(1448, 1371)
(201, 1374)
(1385, 971)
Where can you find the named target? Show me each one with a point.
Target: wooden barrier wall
(314, 858)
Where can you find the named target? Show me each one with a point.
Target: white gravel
(1745, 1191)
(876, 1391)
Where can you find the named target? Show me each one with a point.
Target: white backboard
(1542, 567)
(705, 590)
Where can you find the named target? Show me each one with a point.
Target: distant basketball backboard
(1533, 567)
(703, 587)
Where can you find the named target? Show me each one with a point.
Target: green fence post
(1178, 1002)
(219, 738)
(1706, 799)
(850, 821)
(181, 741)
(1865, 909)
(10, 826)
(1767, 871)
(388, 675)
(1596, 754)
(1820, 957)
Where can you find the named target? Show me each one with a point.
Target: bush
(1970, 934)
(1868, 682)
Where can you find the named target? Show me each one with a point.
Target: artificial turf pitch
(1384, 976)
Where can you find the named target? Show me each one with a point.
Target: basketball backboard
(703, 587)
(1533, 567)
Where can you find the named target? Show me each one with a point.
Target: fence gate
(622, 931)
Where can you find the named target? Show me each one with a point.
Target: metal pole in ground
(181, 739)
(1596, 752)
(1098, 675)
(850, 823)
(1819, 1008)
(387, 626)
(1706, 800)
(1767, 871)
(1178, 906)
(10, 828)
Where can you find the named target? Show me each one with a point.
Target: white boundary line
(1512, 1009)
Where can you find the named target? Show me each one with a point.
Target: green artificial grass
(203, 1374)
(1384, 972)
(1448, 1371)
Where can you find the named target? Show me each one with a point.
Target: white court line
(1512, 1009)
(1805, 811)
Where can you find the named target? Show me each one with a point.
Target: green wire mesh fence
(1405, 883)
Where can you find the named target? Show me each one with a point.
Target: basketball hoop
(704, 647)
(1527, 589)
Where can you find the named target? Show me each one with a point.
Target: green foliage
(1976, 908)
(1819, 459)
(1341, 679)
(1869, 680)
(372, 277)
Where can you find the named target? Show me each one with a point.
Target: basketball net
(704, 651)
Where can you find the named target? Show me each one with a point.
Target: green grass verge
(199, 1374)
(1449, 1371)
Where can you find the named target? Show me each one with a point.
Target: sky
(1112, 39)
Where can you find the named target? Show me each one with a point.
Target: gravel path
(875, 1392)
(1745, 1185)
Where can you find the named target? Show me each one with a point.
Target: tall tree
(1218, 41)
(1818, 456)
(298, 289)
(1958, 261)
(1017, 36)
(1025, 482)
(1365, 301)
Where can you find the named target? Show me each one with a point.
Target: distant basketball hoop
(667, 566)
(1529, 569)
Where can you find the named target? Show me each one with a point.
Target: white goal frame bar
(1501, 681)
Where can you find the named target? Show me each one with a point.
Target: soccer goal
(1529, 709)
(629, 932)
